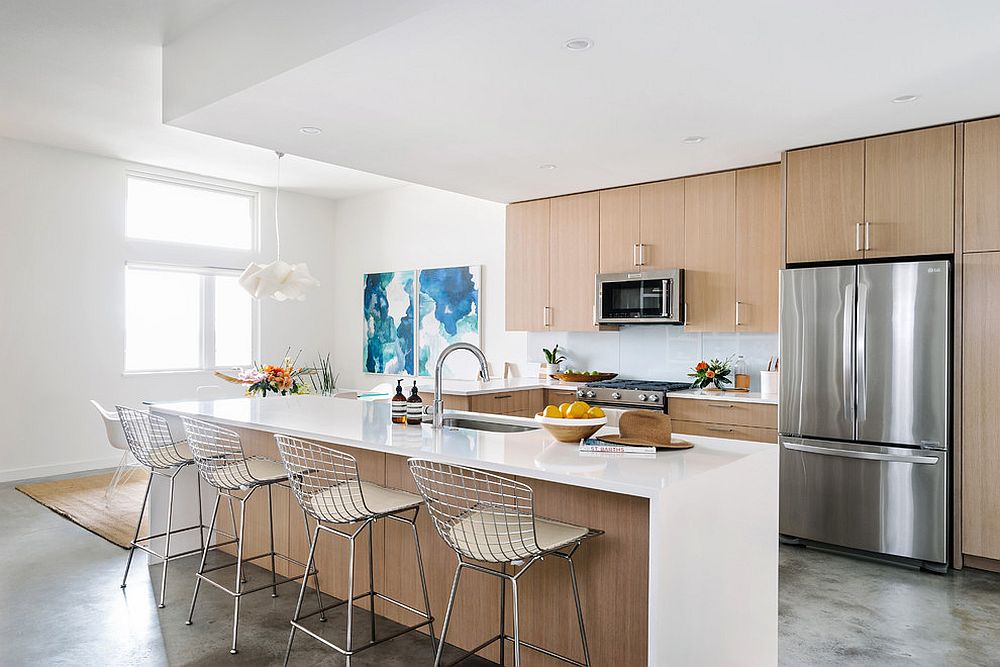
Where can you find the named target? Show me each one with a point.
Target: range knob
(591, 394)
(654, 398)
(579, 393)
(641, 397)
(616, 395)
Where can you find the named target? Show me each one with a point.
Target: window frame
(203, 260)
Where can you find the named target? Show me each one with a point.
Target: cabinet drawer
(506, 402)
(723, 412)
(557, 396)
(730, 431)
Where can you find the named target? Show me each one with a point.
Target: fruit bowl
(570, 430)
(583, 377)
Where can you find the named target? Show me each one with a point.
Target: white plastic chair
(208, 392)
(116, 438)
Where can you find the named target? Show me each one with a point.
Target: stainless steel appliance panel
(890, 500)
(903, 344)
(649, 297)
(816, 345)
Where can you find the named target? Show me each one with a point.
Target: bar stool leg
(371, 577)
(166, 542)
(517, 633)
(204, 555)
(138, 527)
(270, 523)
(423, 583)
(503, 604)
(579, 610)
(319, 596)
(447, 615)
(302, 589)
(239, 571)
(350, 600)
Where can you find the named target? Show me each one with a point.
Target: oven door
(630, 298)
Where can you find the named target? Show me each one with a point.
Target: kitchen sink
(479, 424)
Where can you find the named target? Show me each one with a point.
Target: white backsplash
(654, 352)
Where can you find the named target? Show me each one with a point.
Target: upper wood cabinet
(981, 194)
(619, 229)
(910, 193)
(758, 252)
(710, 252)
(824, 203)
(527, 266)
(890, 196)
(574, 246)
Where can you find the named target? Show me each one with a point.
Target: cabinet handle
(718, 429)
(499, 396)
(857, 237)
(721, 405)
(635, 254)
(546, 316)
(868, 226)
(642, 254)
(738, 304)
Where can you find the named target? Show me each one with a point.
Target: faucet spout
(437, 419)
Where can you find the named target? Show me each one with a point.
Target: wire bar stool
(328, 487)
(491, 519)
(218, 453)
(151, 443)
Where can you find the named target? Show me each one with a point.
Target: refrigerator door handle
(861, 411)
(848, 352)
(871, 456)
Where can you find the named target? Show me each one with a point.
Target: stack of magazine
(595, 447)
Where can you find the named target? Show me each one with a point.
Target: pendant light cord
(277, 188)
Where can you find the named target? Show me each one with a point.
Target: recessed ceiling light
(903, 99)
(693, 139)
(578, 44)
(308, 129)
(547, 167)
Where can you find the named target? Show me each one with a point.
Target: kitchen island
(685, 574)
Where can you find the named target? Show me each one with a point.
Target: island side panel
(477, 611)
(714, 567)
(613, 575)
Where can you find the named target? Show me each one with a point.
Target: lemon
(595, 413)
(551, 411)
(564, 410)
(578, 410)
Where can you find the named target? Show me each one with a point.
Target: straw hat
(645, 428)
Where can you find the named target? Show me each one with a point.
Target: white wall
(415, 227)
(62, 253)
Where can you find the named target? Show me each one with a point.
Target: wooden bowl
(583, 377)
(570, 430)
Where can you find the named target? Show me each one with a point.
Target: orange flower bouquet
(712, 372)
(284, 379)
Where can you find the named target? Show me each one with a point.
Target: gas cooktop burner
(647, 385)
(646, 394)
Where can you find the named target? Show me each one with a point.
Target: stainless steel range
(625, 394)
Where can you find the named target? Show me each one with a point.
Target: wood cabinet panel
(981, 195)
(527, 265)
(910, 193)
(557, 396)
(722, 411)
(758, 253)
(980, 437)
(730, 431)
(508, 402)
(574, 242)
(619, 229)
(824, 202)
(709, 252)
(661, 224)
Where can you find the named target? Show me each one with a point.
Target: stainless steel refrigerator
(864, 415)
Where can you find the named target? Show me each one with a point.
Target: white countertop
(533, 454)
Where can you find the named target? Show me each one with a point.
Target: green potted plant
(553, 361)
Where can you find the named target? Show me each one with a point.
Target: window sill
(190, 371)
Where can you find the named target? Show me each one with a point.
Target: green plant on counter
(712, 372)
(322, 378)
(552, 356)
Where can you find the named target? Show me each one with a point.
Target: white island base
(686, 574)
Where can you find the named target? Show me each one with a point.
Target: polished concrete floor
(60, 604)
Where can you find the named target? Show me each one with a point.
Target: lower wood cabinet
(523, 403)
(736, 420)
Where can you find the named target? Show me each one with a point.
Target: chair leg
(579, 611)
(517, 633)
(302, 589)
(350, 601)
(371, 577)
(447, 615)
(138, 527)
(239, 571)
(503, 604)
(423, 584)
(270, 523)
(305, 575)
(117, 478)
(166, 542)
(204, 555)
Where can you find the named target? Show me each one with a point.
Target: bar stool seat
(489, 535)
(334, 503)
(175, 454)
(251, 471)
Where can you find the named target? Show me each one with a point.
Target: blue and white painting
(448, 304)
(389, 322)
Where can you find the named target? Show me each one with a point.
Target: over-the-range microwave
(651, 297)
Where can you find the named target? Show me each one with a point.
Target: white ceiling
(473, 95)
(87, 76)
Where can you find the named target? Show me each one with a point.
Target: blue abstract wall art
(448, 304)
(389, 301)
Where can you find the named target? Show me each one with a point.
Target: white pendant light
(278, 280)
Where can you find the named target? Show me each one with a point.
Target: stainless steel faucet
(438, 405)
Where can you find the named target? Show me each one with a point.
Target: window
(179, 314)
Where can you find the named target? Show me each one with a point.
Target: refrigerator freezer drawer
(888, 500)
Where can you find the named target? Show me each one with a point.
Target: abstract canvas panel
(449, 310)
(389, 307)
